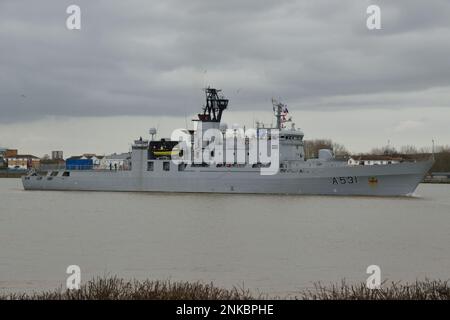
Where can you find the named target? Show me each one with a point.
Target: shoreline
(115, 288)
(8, 175)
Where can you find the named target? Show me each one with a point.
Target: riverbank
(120, 289)
(11, 174)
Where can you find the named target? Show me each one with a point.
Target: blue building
(76, 163)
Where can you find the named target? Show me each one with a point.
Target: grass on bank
(115, 288)
(119, 289)
(419, 290)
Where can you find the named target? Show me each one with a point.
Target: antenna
(432, 149)
(280, 114)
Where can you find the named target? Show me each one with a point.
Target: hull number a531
(345, 180)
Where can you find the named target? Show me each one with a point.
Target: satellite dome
(223, 127)
(325, 154)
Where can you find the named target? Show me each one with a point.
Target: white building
(370, 160)
(23, 162)
(116, 162)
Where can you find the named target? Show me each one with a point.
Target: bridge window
(166, 165)
(150, 166)
(66, 174)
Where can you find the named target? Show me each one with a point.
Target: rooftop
(23, 156)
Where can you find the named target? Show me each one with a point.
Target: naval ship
(169, 165)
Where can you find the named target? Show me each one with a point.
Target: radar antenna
(280, 110)
(215, 104)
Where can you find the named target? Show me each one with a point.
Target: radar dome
(325, 154)
(223, 127)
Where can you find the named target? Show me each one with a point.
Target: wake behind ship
(162, 166)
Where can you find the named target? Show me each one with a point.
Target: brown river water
(272, 244)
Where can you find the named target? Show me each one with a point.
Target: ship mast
(278, 109)
(215, 104)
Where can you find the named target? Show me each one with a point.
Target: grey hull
(378, 180)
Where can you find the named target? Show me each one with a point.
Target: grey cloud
(153, 57)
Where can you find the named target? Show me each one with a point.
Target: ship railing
(82, 168)
(94, 168)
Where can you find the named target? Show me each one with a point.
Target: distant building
(7, 153)
(87, 161)
(23, 162)
(2, 163)
(2, 158)
(116, 161)
(11, 153)
(79, 163)
(50, 164)
(57, 155)
(370, 160)
(95, 159)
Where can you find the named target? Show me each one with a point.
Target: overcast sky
(139, 64)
